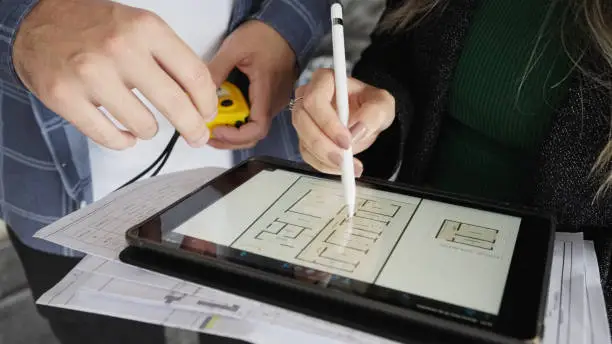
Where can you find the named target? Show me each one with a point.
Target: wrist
(14, 13)
(302, 26)
(280, 57)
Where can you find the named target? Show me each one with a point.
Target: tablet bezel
(523, 303)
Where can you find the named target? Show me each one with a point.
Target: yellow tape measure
(233, 109)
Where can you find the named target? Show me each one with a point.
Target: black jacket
(417, 68)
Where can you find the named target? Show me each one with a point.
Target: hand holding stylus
(326, 136)
(323, 137)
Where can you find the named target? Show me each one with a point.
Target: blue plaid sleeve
(12, 13)
(301, 23)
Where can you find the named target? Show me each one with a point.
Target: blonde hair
(591, 13)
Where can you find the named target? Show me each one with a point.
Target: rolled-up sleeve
(302, 23)
(12, 13)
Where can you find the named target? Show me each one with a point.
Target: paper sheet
(113, 288)
(262, 323)
(151, 287)
(575, 310)
(67, 294)
(553, 307)
(102, 286)
(99, 229)
(577, 328)
(570, 327)
(599, 328)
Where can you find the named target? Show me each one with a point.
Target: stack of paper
(102, 284)
(576, 310)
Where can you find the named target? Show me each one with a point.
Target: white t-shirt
(202, 24)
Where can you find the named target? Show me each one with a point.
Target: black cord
(237, 78)
(161, 159)
(163, 162)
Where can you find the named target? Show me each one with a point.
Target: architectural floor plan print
(467, 234)
(308, 225)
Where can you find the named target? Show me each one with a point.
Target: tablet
(463, 265)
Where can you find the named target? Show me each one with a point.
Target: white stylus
(342, 103)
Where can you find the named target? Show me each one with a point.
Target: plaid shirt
(44, 161)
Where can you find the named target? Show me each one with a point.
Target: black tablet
(456, 264)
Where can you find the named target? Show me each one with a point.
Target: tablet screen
(448, 253)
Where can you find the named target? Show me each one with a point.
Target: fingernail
(358, 131)
(201, 142)
(343, 141)
(358, 168)
(211, 117)
(335, 158)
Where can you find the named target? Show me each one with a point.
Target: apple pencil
(342, 103)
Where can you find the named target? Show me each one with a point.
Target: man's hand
(266, 58)
(77, 55)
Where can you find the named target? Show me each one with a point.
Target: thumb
(222, 64)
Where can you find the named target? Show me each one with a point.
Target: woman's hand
(321, 134)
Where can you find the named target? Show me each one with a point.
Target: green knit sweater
(489, 142)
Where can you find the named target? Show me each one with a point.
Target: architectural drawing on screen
(467, 234)
(309, 224)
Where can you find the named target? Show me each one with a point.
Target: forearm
(301, 23)
(12, 13)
